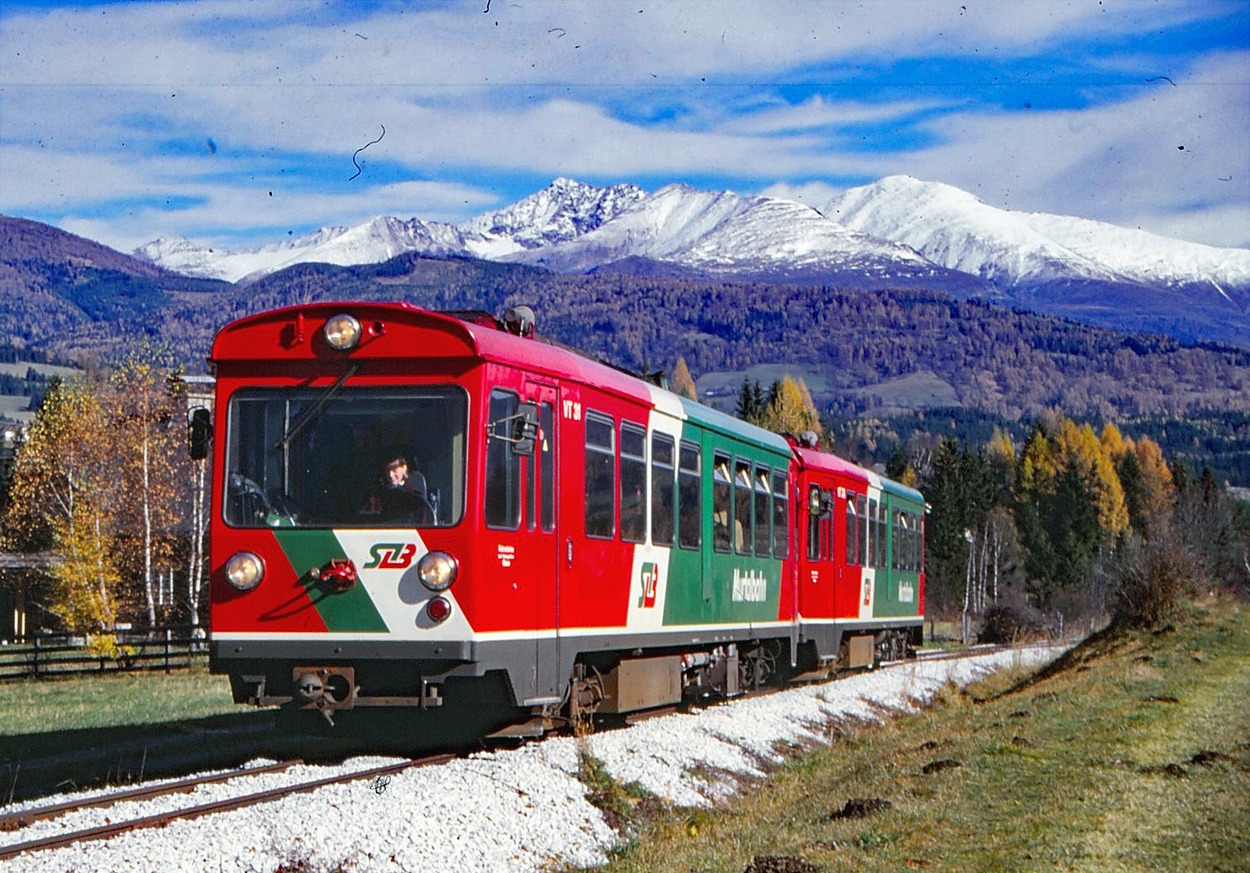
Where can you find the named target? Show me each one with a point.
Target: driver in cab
(403, 495)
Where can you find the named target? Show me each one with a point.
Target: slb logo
(390, 556)
(650, 579)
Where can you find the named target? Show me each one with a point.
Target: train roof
(716, 420)
(817, 460)
(400, 329)
(396, 330)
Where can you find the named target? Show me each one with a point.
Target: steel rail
(162, 819)
(17, 820)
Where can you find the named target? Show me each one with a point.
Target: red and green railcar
(570, 538)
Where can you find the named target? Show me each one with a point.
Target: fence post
(168, 632)
(36, 660)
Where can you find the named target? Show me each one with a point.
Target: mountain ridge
(896, 232)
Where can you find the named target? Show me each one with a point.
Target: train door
(542, 523)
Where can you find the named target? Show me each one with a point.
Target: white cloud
(118, 104)
(213, 222)
(1165, 151)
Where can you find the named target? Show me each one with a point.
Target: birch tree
(145, 406)
(63, 497)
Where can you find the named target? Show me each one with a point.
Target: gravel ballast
(516, 810)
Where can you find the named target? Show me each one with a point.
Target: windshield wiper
(308, 414)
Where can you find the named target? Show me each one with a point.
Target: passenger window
(662, 489)
(633, 483)
(690, 497)
(503, 468)
(861, 512)
(781, 516)
(600, 476)
(899, 550)
(763, 515)
(722, 488)
(742, 507)
(883, 533)
(873, 534)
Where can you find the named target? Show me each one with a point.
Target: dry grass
(1133, 755)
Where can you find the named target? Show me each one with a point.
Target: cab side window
(502, 505)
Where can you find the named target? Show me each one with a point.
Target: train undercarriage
(440, 705)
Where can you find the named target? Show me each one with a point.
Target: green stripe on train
(720, 587)
(350, 611)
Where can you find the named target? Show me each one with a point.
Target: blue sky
(240, 122)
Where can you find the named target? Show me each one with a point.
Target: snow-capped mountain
(953, 228)
(896, 232)
(717, 233)
(562, 211)
(372, 242)
(897, 221)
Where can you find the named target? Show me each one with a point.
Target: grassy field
(32, 706)
(1132, 754)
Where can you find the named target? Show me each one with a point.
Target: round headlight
(437, 570)
(342, 332)
(244, 571)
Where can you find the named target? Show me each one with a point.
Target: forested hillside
(849, 346)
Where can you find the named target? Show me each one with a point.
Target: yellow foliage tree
(1080, 447)
(682, 383)
(1113, 442)
(63, 496)
(1155, 486)
(148, 432)
(791, 410)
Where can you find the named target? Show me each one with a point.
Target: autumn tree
(682, 383)
(1148, 488)
(1070, 506)
(64, 497)
(103, 480)
(790, 409)
(144, 405)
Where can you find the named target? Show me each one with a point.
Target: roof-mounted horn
(519, 320)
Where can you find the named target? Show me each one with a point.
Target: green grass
(1133, 754)
(33, 706)
(13, 406)
(21, 367)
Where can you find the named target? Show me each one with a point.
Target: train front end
(333, 582)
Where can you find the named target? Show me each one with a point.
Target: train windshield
(360, 458)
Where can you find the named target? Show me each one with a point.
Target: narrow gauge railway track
(19, 820)
(157, 820)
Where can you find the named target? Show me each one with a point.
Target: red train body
(571, 539)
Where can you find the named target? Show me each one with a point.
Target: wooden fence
(47, 656)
